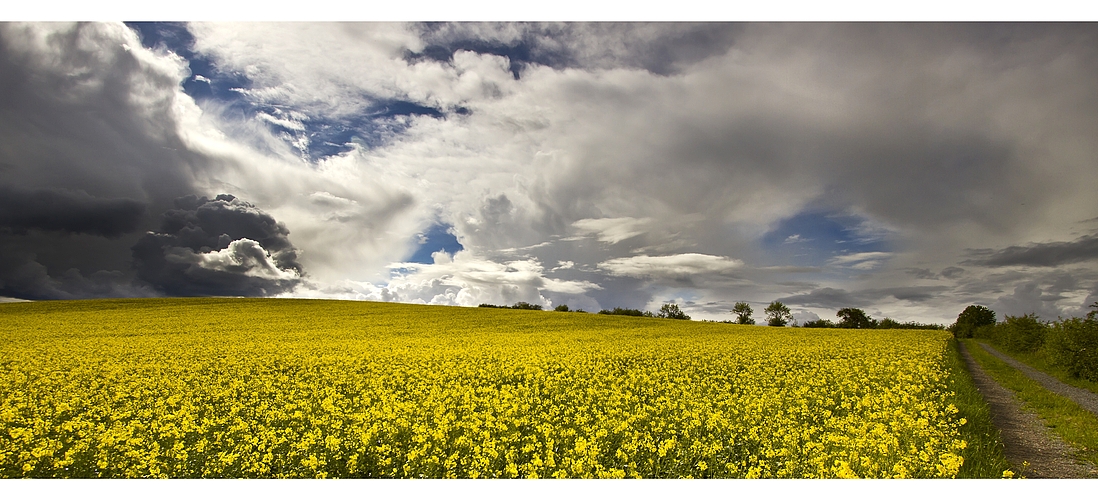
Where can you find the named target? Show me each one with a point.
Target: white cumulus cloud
(243, 256)
(463, 280)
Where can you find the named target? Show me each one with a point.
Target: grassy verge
(1039, 361)
(1076, 426)
(984, 453)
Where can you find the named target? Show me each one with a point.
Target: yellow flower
(312, 389)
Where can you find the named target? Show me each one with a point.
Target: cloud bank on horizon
(907, 169)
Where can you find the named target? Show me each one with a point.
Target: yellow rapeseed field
(298, 388)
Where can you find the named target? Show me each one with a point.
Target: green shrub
(915, 325)
(889, 324)
(625, 312)
(518, 305)
(1020, 333)
(1073, 344)
(527, 306)
(982, 332)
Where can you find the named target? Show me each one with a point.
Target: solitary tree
(854, 318)
(970, 319)
(743, 313)
(671, 311)
(777, 314)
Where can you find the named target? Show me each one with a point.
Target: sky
(908, 169)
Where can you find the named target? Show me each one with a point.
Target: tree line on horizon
(668, 310)
(778, 314)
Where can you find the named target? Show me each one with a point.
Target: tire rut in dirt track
(1025, 436)
(1084, 398)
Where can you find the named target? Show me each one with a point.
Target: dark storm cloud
(51, 209)
(497, 210)
(952, 272)
(61, 213)
(921, 273)
(949, 273)
(909, 293)
(914, 174)
(1048, 292)
(81, 109)
(91, 152)
(1038, 254)
(824, 297)
(224, 246)
(661, 48)
(23, 277)
(1028, 298)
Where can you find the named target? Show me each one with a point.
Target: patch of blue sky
(812, 238)
(207, 81)
(391, 108)
(438, 237)
(369, 129)
(317, 137)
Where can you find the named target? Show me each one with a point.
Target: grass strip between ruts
(1075, 425)
(1039, 361)
(984, 453)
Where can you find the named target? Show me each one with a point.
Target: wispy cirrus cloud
(613, 229)
(670, 266)
(862, 261)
